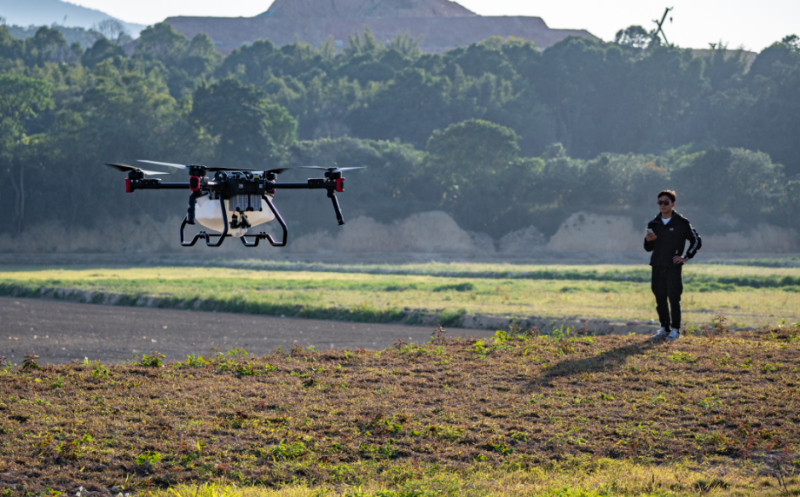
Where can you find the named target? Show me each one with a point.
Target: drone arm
(132, 185)
(332, 185)
(312, 184)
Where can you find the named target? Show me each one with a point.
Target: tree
(21, 100)
(10, 47)
(47, 45)
(201, 56)
(469, 161)
(745, 184)
(633, 37)
(161, 42)
(113, 30)
(792, 41)
(252, 133)
(410, 107)
(367, 45)
(101, 50)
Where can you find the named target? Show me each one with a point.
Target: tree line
(499, 134)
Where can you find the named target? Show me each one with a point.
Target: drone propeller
(333, 169)
(127, 168)
(182, 166)
(168, 164)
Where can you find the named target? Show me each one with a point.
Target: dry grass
(709, 414)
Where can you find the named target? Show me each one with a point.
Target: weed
(99, 370)
(438, 336)
(769, 368)
(195, 361)
(679, 356)
(29, 362)
(288, 451)
(457, 287)
(148, 458)
(478, 347)
(151, 361)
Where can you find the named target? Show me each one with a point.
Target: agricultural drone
(234, 199)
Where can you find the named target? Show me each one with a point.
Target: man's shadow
(610, 359)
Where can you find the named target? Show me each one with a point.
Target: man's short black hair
(668, 193)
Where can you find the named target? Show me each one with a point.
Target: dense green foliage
(499, 134)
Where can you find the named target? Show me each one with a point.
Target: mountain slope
(366, 9)
(47, 12)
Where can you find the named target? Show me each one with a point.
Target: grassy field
(519, 414)
(608, 272)
(746, 296)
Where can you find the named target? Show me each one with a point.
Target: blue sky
(696, 23)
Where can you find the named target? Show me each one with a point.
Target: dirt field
(59, 332)
(709, 415)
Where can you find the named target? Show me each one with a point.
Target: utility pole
(659, 25)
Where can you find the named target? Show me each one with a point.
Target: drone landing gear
(256, 237)
(332, 196)
(267, 236)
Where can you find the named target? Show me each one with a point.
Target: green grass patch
(766, 299)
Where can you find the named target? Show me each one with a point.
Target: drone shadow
(611, 359)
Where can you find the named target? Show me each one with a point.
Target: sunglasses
(664, 202)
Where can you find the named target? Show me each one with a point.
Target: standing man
(666, 238)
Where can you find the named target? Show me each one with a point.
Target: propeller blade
(279, 170)
(126, 168)
(229, 169)
(168, 164)
(332, 168)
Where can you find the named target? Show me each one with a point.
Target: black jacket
(671, 241)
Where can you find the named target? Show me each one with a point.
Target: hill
(441, 24)
(303, 9)
(48, 12)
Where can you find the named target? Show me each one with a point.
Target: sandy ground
(59, 332)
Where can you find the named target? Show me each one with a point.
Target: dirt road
(59, 332)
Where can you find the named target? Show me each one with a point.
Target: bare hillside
(303, 9)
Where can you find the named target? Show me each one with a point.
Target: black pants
(667, 285)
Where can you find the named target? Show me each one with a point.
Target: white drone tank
(209, 213)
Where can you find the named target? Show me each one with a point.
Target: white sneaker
(674, 335)
(660, 335)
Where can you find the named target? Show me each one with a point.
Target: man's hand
(679, 260)
(650, 236)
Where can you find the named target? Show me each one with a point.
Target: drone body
(251, 209)
(233, 200)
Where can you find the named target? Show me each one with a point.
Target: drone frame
(265, 186)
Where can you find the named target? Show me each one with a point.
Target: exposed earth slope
(441, 24)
